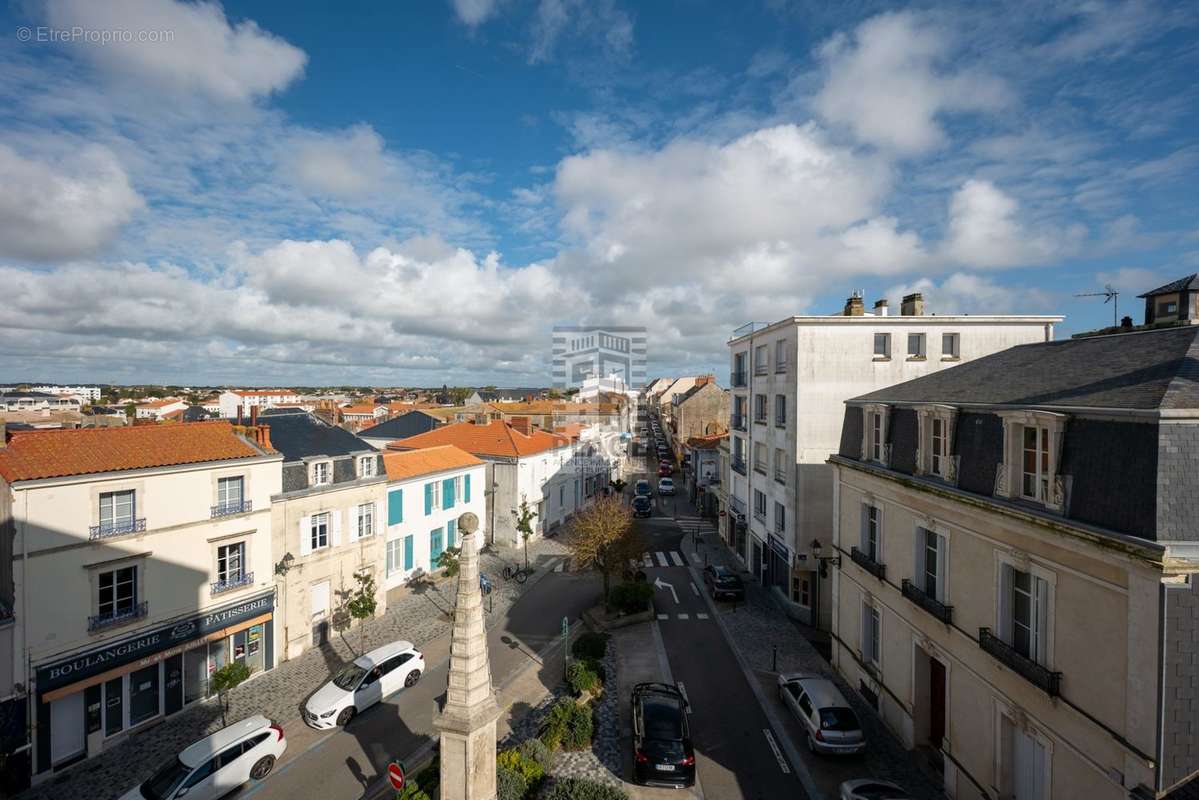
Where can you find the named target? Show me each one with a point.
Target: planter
(600, 619)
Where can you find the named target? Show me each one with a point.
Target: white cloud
(203, 53)
(474, 12)
(68, 209)
(611, 26)
(985, 230)
(348, 164)
(1105, 29)
(887, 83)
(963, 293)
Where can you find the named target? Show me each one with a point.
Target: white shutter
(305, 535)
(355, 523)
(335, 516)
(1005, 603)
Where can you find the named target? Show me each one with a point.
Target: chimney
(3, 434)
(702, 379)
(880, 307)
(853, 305)
(912, 305)
(239, 407)
(520, 424)
(253, 416)
(1126, 324)
(264, 436)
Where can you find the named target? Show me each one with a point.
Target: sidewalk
(419, 615)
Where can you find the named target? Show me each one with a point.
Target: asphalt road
(352, 762)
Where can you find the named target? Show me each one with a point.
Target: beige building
(1014, 565)
(136, 561)
(702, 410)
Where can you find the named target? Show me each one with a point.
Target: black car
(642, 489)
(723, 583)
(642, 506)
(662, 753)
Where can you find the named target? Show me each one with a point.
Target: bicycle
(519, 574)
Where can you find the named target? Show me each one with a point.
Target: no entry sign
(395, 774)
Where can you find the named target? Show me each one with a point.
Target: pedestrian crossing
(696, 525)
(660, 558)
(682, 616)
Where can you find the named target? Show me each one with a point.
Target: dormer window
(366, 467)
(322, 473)
(935, 452)
(1031, 456)
(874, 434)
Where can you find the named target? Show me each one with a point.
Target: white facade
(89, 393)
(24, 402)
(159, 409)
(230, 401)
(789, 383)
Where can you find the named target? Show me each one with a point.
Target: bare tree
(602, 538)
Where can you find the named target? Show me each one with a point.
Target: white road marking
(777, 753)
(682, 616)
(676, 558)
(694, 590)
(683, 691)
(648, 560)
(701, 616)
(661, 584)
(663, 616)
(661, 559)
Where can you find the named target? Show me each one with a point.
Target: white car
(871, 789)
(666, 486)
(831, 726)
(364, 682)
(217, 764)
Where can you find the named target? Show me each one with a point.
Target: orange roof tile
(492, 439)
(405, 464)
(57, 453)
(706, 442)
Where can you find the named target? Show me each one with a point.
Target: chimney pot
(253, 415)
(912, 305)
(880, 308)
(239, 411)
(854, 306)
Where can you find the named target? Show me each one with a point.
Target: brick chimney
(702, 379)
(3, 434)
(880, 308)
(239, 407)
(253, 416)
(912, 305)
(521, 424)
(263, 435)
(854, 306)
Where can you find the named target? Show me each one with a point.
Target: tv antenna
(1109, 295)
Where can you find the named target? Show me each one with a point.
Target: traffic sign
(395, 774)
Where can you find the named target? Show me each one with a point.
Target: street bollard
(774, 666)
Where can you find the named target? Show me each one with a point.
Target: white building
(38, 401)
(136, 561)
(159, 409)
(427, 490)
(231, 401)
(790, 381)
(88, 393)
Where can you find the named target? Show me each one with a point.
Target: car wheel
(347, 714)
(262, 767)
(412, 678)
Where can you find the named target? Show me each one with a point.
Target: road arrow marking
(661, 584)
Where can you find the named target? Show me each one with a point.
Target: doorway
(67, 735)
(930, 705)
(319, 606)
(936, 696)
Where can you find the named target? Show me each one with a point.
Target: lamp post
(822, 565)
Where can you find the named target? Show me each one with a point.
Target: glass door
(255, 655)
(114, 706)
(195, 675)
(144, 701)
(67, 735)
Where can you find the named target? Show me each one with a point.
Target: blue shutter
(466, 489)
(450, 529)
(407, 552)
(428, 499)
(395, 506)
(435, 548)
(447, 493)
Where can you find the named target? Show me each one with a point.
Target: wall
(418, 525)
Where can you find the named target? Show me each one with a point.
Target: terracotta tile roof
(57, 453)
(492, 439)
(426, 461)
(571, 430)
(706, 442)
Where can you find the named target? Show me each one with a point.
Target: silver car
(832, 727)
(871, 789)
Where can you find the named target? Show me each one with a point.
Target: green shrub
(631, 598)
(590, 645)
(534, 750)
(579, 729)
(581, 789)
(568, 725)
(510, 785)
(528, 768)
(582, 678)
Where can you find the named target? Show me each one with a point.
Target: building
(15, 400)
(701, 471)
(90, 394)
(1018, 581)
(1177, 301)
(159, 409)
(326, 525)
(789, 383)
(136, 560)
(239, 402)
(662, 401)
(427, 490)
(517, 395)
(700, 411)
(401, 427)
(553, 474)
(362, 413)
(598, 351)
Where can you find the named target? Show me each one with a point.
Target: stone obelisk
(467, 720)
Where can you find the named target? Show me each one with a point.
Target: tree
(225, 680)
(362, 602)
(524, 525)
(618, 485)
(130, 411)
(602, 538)
(449, 561)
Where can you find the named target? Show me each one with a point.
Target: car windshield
(641, 501)
(166, 780)
(838, 719)
(348, 678)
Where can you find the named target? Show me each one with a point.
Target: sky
(415, 193)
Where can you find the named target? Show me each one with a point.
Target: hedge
(581, 789)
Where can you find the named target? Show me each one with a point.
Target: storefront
(91, 700)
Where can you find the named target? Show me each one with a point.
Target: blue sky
(415, 193)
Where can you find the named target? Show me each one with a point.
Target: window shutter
(355, 518)
(305, 535)
(1041, 656)
(407, 552)
(865, 526)
(447, 493)
(865, 633)
(451, 528)
(335, 522)
(395, 506)
(1005, 603)
(428, 499)
(466, 488)
(942, 565)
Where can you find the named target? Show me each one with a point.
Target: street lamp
(826, 560)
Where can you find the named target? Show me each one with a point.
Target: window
(432, 496)
(780, 355)
(871, 650)
(366, 520)
(116, 511)
(780, 517)
(759, 505)
(760, 408)
(801, 591)
(229, 494)
(871, 532)
(1031, 441)
(395, 549)
(761, 354)
(318, 535)
(760, 457)
(780, 410)
(876, 436)
(780, 465)
(950, 345)
(1167, 309)
(118, 592)
(320, 473)
(738, 369)
(230, 562)
(882, 345)
(930, 563)
(916, 345)
(1034, 483)
(366, 467)
(1024, 610)
(938, 453)
(1026, 762)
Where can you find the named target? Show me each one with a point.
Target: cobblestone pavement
(419, 615)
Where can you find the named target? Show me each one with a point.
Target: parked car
(642, 489)
(217, 764)
(642, 506)
(872, 789)
(666, 462)
(664, 471)
(832, 727)
(723, 583)
(662, 753)
(666, 486)
(364, 682)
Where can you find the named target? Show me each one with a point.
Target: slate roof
(401, 427)
(1156, 369)
(1187, 284)
(299, 435)
(492, 439)
(62, 452)
(401, 465)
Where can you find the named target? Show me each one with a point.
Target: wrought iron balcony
(225, 509)
(761, 369)
(111, 529)
(869, 564)
(100, 621)
(229, 584)
(780, 475)
(760, 467)
(760, 419)
(1042, 677)
(739, 465)
(928, 603)
(737, 378)
(738, 422)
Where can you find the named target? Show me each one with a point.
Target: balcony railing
(759, 419)
(780, 366)
(761, 369)
(927, 602)
(739, 465)
(109, 530)
(760, 466)
(739, 422)
(1042, 677)
(100, 621)
(760, 514)
(780, 475)
(863, 560)
(737, 378)
(235, 582)
(225, 509)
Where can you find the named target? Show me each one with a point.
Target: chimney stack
(264, 436)
(854, 306)
(239, 408)
(3, 434)
(912, 305)
(880, 307)
(253, 416)
(520, 424)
